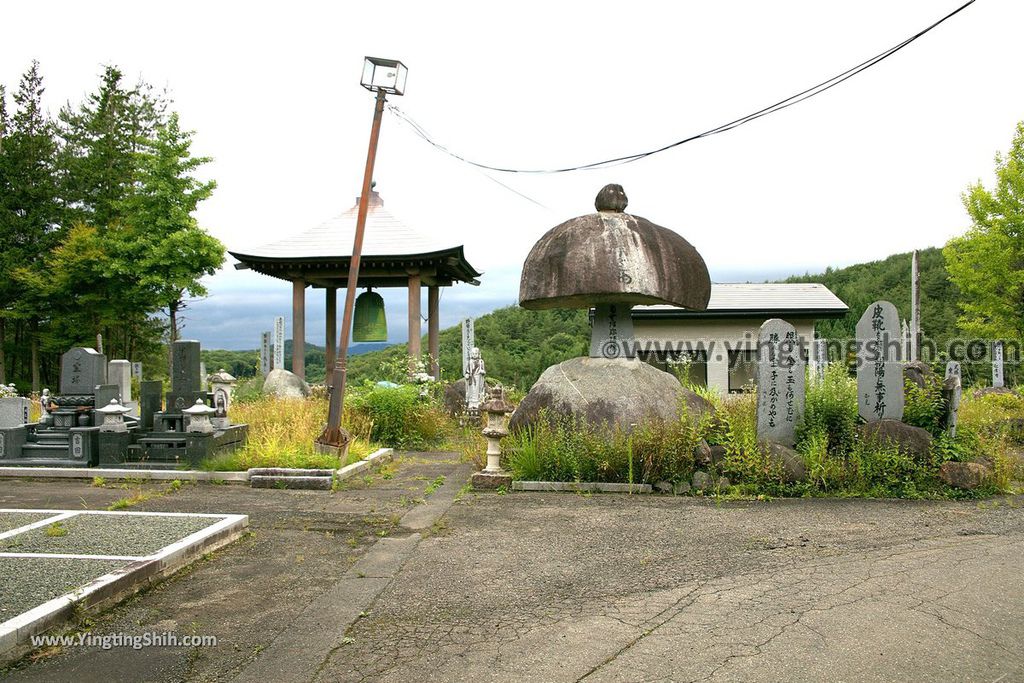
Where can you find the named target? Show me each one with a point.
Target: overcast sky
(872, 167)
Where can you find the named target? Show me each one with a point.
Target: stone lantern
(222, 386)
(113, 416)
(199, 418)
(610, 261)
(497, 409)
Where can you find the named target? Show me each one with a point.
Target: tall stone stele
(780, 382)
(879, 371)
(610, 261)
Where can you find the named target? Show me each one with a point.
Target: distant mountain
(246, 363)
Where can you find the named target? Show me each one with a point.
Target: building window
(691, 367)
(742, 370)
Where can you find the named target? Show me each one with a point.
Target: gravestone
(202, 377)
(119, 372)
(185, 380)
(952, 388)
(265, 356)
(279, 343)
(105, 393)
(150, 402)
(997, 365)
(81, 370)
(879, 371)
(14, 411)
(468, 343)
(612, 333)
(780, 382)
(137, 372)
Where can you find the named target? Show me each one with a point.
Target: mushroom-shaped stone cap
(613, 257)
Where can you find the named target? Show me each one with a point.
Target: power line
(778, 106)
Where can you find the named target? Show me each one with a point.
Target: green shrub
(883, 470)
(924, 407)
(830, 413)
(567, 449)
(399, 416)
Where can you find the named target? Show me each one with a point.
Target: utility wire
(778, 106)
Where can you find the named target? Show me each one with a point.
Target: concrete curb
(580, 487)
(372, 461)
(15, 634)
(90, 472)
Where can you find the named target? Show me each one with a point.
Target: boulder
(608, 391)
(455, 398)
(283, 384)
(718, 453)
(681, 488)
(663, 486)
(912, 441)
(964, 475)
(702, 454)
(917, 371)
(702, 481)
(987, 391)
(786, 460)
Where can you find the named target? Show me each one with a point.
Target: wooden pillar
(299, 327)
(414, 318)
(433, 341)
(332, 327)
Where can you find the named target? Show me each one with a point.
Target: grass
(281, 434)
(838, 462)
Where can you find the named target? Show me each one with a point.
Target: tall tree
(987, 263)
(31, 212)
(5, 293)
(171, 252)
(102, 138)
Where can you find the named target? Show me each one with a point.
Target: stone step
(43, 450)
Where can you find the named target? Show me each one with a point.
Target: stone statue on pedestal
(475, 389)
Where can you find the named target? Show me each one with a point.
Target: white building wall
(717, 336)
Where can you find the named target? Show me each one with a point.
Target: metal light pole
(382, 76)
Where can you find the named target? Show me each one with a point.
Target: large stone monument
(266, 357)
(610, 261)
(780, 383)
(879, 372)
(278, 343)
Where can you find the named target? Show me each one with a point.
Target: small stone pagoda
(610, 261)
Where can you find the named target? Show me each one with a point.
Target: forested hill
(859, 285)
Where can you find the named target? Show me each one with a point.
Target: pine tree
(30, 210)
(171, 251)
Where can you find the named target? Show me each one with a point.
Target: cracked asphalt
(560, 587)
(555, 587)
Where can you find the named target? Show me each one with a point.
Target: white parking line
(36, 525)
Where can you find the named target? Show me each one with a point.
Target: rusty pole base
(333, 442)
